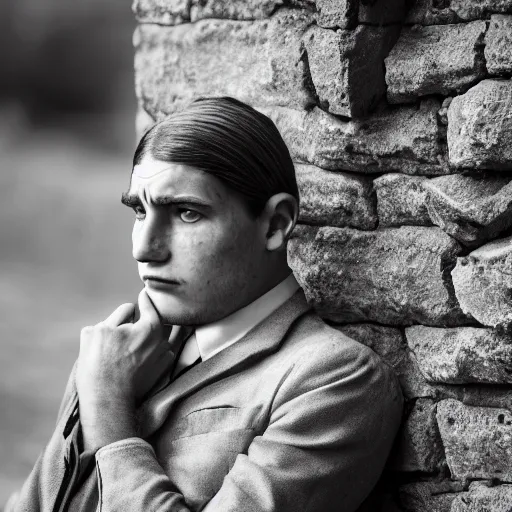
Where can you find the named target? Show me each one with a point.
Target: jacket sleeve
(331, 428)
(57, 465)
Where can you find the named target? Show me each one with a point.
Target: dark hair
(230, 140)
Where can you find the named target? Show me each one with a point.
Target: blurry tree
(60, 57)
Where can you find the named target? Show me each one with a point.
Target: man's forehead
(165, 178)
(149, 167)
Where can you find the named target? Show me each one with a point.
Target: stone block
(483, 283)
(174, 12)
(348, 13)
(488, 396)
(419, 446)
(401, 200)
(477, 440)
(337, 13)
(329, 13)
(238, 9)
(498, 45)
(436, 12)
(414, 384)
(175, 65)
(335, 198)
(472, 209)
(347, 67)
(395, 276)
(164, 12)
(383, 12)
(480, 127)
(484, 498)
(435, 60)
(462, 355)
(428, 496)
(404, 139)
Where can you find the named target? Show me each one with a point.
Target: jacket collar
(264, 339)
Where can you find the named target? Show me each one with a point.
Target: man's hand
(119, 363)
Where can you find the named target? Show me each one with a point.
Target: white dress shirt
(209, 339)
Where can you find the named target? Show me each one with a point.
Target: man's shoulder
(328, 364)
(317, 344)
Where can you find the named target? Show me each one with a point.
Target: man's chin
(171, 309)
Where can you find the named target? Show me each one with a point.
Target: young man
(221, 390)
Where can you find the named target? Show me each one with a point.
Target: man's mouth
(159, 282)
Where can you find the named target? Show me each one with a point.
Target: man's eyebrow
(133, 200)
(192, 200)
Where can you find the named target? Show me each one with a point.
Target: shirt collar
(214, 337)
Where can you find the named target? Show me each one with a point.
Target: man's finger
(122, 315)
(147, 310)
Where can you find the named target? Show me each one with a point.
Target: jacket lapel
(261, 341)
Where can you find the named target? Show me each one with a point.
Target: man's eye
(140, 213)
(189, 215)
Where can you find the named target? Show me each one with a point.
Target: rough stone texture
(488, 396)
(174, 65)
(404, 139)
(443, 111)
(498, 45)
(174, 12)
(477, 440)
(165, 12)
(335, 198)
(483, 283)
(383, 12)
(388, 342)
(238, 9)
(437, 12)
(419, 446)
(395, 276)
(347, 13)
(472, 209)
(480, 127)
(347, 67)
(413, 382)
(401, 200)
(484, 498)
(374, 179)
(428, 496)
(435, 60)
(337, 13)
(462, 355)
(329, 13)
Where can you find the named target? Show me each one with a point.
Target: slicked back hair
(230, 140)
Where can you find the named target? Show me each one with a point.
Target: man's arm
(42, 485)
(331, 429)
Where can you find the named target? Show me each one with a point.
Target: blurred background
(67, 136)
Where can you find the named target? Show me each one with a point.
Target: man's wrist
(107, 423)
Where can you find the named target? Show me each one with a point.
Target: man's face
(200, 254)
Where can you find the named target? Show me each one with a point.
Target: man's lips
(159, 281)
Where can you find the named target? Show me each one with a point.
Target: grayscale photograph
(256, 256)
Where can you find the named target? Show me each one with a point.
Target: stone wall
(399, 119)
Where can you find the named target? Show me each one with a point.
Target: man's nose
(150, 242)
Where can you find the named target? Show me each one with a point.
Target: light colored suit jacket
(293, 417)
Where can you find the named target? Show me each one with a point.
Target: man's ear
(280, 213)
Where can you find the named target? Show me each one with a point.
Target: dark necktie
(187, 368)
(188, 357)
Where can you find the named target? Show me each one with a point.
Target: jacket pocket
(213, 419)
